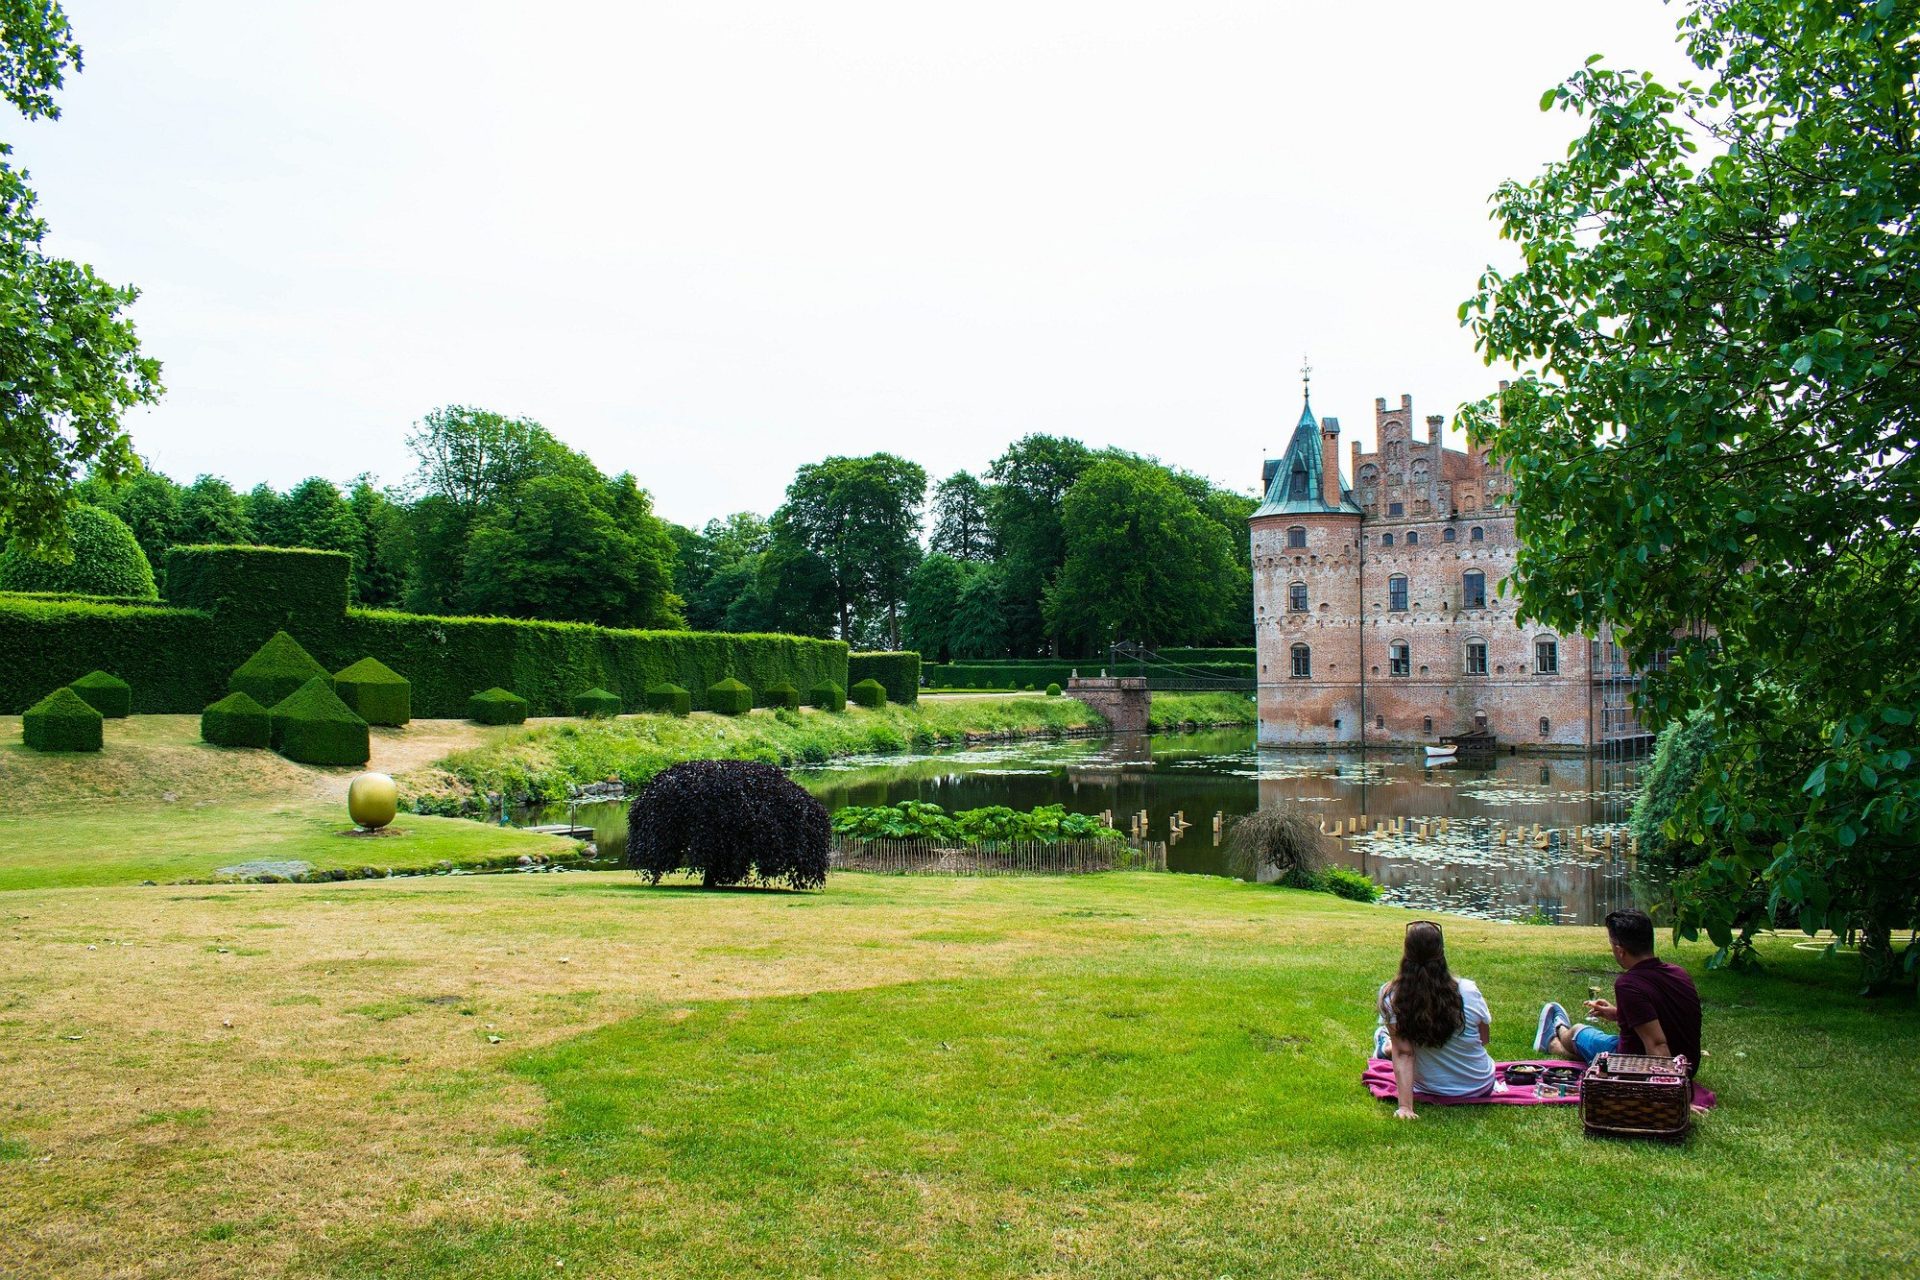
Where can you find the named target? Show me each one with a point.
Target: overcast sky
(708, 242)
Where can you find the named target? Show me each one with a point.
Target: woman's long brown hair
(1426, 999)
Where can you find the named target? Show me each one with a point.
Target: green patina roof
(1295, 488)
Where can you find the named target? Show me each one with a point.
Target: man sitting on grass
(1654, 1004)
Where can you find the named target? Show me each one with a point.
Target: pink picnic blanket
(1378, 1077)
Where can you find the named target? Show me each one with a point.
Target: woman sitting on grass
(1433, 1025)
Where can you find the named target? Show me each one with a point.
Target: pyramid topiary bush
(376, 692)
(782, 695)
(596, 704)
(670, 698)
(497, 706)
(237, 720)
(277, 670)
(63, 721)
(868, 693)
(108, 694)
(729, 698)
(828, 696)
(311, 725)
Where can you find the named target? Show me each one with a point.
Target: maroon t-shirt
(1654, 989)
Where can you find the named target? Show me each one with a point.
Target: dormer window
(1297, 482)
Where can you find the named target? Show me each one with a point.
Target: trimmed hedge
(781, 695)
(497, 706)
(237, 721)
(868, 693)
(1038, 673)
(311, 725)
(108, 694)
(828, 696)
(63, 721)
(670, 698)
(1053, 691)
(377, 693)
(277, 670)
(596, 704)
(897, 673)
(107, 560)
(729, 697)
(258, 590)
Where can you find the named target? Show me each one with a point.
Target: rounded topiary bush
(729, 698)
(311, 725)
(278, 669)
(497, 706)
(782, 695)
(671, 699)
(237, 720)
(596, 704)
(868, 693)
(1053, 691)
(828, 696)
(108, 694)
(730, 821)
(377, 693)
(63, 721)
(107, 561)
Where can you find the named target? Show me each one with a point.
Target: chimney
(1330, 461)
(1356, 462)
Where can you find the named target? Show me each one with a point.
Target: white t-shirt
(1461, 1066)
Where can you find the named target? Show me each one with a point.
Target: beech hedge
(897, 673)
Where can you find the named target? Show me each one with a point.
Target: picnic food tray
(1636, 1096)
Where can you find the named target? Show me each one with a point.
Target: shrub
(868, 693)
(497, 706)
(277, 669)
(828, 696)
(108, 694)
(1053, 691)
(107, 561)
(237, 721)
(63, 721)
(782, 695)
(377, 693)
(729, 697)
(898, 673)
(1343, 882)
(1673, 770)
(1281, 838)
(670, 698)
(596, 704)
(311, 725)
(731, 821)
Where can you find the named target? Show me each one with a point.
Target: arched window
(1386, 539)
(1413, 537)
(1473, 589)
(1296, 537)
(1546, 658)
(1397, 592)
(1296, 597)
(1447, 535)
(1476, 534)
(1545, 725)
(1399, 659)
(1302, 662)
(1476, 657)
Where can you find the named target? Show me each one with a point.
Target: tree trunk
(1880, 967)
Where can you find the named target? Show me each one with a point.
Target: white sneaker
(1552, 1018)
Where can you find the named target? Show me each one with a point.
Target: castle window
(1399, 659)
(1297, 482)
(1476, 534)
(1302, 662)
(1413, 537)
(1296, 537)
(1379, 722)
(1386, 539)
(1476, 657)
(1545, 725)
(1473, 589)
(1426, 724)
(1297, 597)
(1447, 535)
(1546, 658)
(1396, 508)
(1397, 593)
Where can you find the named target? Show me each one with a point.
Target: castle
(1377, 610)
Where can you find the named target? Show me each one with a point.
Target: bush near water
(828, 696)
(497, 706)
(868, 693)
(729, 821)
(729, 697)
(671, 699)
(898, 673)
(923, 820)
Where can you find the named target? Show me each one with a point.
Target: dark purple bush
(730, 820)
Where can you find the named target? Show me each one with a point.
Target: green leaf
(1802, 365)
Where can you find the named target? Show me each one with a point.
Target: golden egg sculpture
(372, 800)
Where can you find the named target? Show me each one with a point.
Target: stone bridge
(1122, 701)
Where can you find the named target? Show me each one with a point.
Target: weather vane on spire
(1306, 376)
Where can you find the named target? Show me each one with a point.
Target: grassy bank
(1110, 1076)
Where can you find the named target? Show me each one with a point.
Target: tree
(266, 516)
(860, 517)
(979, 625)
(960, 525)
(68, 353)
(932, 594)
(212, 513)
(102, 559)
(149, 504)
(473, 456)
(1712, 439)
(380, 564)
(1030, 483)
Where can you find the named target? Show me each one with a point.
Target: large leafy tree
(961, 526)
(70, 363)
(1712, 438)
(1029, 487)
(473, 457)
(932, 596)
(860, 518)
(211, 512)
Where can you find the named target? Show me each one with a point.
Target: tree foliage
(859, 517)
(1712, 438)
(102, 558)
(961, 524)
(731, 821)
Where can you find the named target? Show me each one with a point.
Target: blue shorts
(1590, 1042)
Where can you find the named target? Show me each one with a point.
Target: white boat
(1446, 752)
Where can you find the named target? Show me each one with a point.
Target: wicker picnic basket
(1634, 1096)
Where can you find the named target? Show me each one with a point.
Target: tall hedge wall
(898, 674)
(1041, 672)
(178, 659)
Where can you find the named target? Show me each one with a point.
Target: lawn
(1117, 1075)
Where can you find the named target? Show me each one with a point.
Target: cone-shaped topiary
(828, 696)
(868, 693)
(108, 694)
(497, 706)
(63, 721)
(596, 704)
(377, 693)
(729, 697)
(276, 671)
(237, 721)
(782, 695)
(670, 698)
(311, 725)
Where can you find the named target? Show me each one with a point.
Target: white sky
(708, 242)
